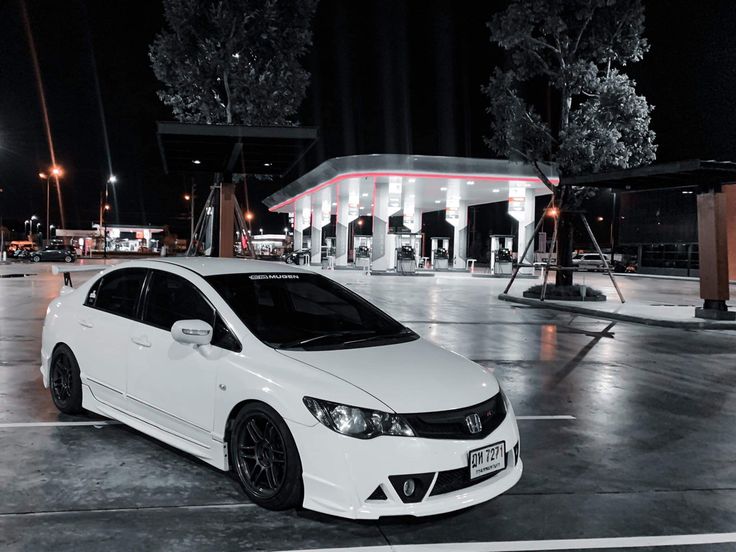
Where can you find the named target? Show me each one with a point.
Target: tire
(68, 259)
(65, 383)
(264, 458)
(289, 260)
(35, 258)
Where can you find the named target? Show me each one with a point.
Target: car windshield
(306, 311)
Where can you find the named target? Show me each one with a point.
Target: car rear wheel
(265, 459)
(64, 381)
(68, 259)
(35, 258)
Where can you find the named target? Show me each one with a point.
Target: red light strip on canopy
(375, 175)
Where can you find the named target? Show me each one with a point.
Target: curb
(594, 313)
(665, 277)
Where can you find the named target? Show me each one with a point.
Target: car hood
(416, 376)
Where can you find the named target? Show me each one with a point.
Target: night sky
(387, 77)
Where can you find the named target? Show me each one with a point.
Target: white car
(308, 393)
(590, 261)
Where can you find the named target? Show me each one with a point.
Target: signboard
(517, 199)
(409, 207)
(452, 212)
(353, 202)
(325, 212)
(394, 192)
(306, 217)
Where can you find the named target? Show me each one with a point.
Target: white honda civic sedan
(312, 396)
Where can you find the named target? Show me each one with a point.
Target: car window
(119, 291)
(171, 298)
(92, 294)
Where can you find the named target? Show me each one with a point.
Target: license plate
(486, 460)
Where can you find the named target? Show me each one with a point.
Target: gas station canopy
(190, 147)
(387, 185)
(428, 179)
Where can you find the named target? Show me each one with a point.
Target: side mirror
(194, 332)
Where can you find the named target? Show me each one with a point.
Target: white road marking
(558, 417)
(540, 545)
(131, 509)
(58, 424)
(12, 425)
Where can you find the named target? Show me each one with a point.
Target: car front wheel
(265, 459)
(64, 381)
(68, 259)
(35, 258)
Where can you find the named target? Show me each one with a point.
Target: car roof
(210, 266)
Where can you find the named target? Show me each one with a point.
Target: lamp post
(56, 172)
(190, 199)
(30, 227)
(103, 212)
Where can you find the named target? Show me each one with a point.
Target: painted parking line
(196, 507)
(557, 417)
(542, 545)
(14, 425)
(11, 425)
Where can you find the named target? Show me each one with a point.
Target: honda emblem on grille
(473, 422)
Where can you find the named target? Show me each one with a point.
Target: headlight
(357, 422)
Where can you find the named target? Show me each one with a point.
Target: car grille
(455, 480)
(451, 424)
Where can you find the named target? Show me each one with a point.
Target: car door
(104, 322)
(171, 384)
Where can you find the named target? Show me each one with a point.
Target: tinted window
(118, 291)
(306, 311)
(171, 298)
(92, 295)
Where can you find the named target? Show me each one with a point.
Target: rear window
(119, 291)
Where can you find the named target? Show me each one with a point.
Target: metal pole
(603, 258)
(552, 251)
(528, 245)
(104, 214)
(48, 186)
(191, 212)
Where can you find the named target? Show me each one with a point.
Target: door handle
(141, 340)
(85, 324)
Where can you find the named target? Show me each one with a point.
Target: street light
(103, 211)
(56, 172)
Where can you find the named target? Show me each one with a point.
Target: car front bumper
(340, 473)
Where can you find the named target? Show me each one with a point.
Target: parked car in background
(590, 261)
(54, 252)
(19, 245)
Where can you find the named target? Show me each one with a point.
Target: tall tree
(233, 61)
(564, 97)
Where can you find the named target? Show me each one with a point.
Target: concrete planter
(549, 297)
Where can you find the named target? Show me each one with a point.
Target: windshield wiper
(402, 333)
(313, 340)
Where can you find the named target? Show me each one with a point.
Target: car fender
(281, 383)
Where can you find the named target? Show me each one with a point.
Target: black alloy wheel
(64, 381)
(265, 458)
(35, 258)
